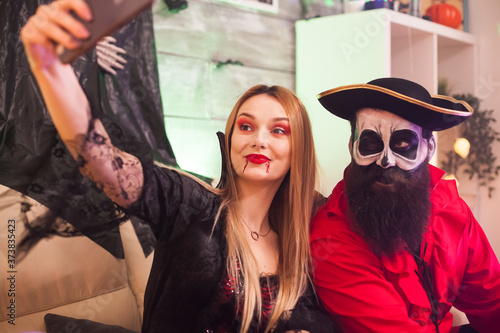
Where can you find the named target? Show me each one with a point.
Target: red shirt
(365, 293)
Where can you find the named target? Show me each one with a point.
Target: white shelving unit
(358, 47)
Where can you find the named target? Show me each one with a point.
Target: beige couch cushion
(138, 267)
(70, 276)
(113, 308)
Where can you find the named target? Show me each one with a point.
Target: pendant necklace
(255, 235)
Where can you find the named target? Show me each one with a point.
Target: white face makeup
(388, 140)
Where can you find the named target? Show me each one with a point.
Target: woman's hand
(53, 25)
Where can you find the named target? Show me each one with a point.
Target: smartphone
(108, 16)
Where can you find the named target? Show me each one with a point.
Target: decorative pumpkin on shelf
(445, 14)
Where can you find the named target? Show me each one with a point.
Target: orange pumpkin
(445, 14)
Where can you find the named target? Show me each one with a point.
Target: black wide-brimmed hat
(404, 98)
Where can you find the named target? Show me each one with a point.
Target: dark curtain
(35, 162)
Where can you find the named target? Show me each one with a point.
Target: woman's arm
(119, 174)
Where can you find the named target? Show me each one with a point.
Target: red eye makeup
(244, 123)
(282, 127)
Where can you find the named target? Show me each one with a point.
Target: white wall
(485, 25)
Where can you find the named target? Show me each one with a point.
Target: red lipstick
(257, 158)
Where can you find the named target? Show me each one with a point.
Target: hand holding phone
(108, 16)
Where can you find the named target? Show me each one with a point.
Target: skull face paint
(388, 140)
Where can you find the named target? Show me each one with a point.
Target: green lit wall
(331, 53)
(197, 91)
(198, 94)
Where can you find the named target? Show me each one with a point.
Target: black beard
(389, 218)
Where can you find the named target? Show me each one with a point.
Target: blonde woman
(234, 259)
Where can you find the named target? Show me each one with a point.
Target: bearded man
(395, 247)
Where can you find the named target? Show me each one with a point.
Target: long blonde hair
(289, 214)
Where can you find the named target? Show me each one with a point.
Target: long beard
(389, 218)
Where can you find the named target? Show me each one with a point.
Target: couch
(73, 277)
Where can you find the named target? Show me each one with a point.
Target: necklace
(255, 235)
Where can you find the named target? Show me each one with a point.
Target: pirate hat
(404, 98)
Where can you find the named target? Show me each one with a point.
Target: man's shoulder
(331, 217)
(445, 192)
(449, 211)
(334, 204)
(447, 189)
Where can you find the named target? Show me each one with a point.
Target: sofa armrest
(138, 266)
(71, 276)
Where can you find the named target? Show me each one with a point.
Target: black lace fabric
(73, 197)
(33, 216)
(227, 321)
(116, 173)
